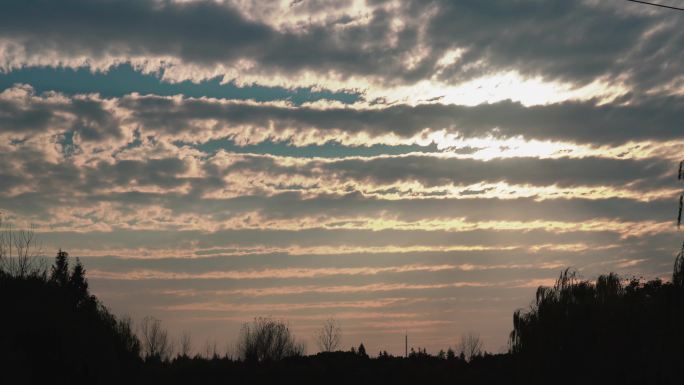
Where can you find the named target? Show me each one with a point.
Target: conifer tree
(78, 281)
(60, 270)
(362, 351)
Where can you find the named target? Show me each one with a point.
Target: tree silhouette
(210, 349)
(361, 351)
(329, 336)
(681, 196)
(78, 281)
(610, 330)
(678, 271)
(52, 333)
(127, 337)
(60, 269)
(633, 330)
(185, 344)
(155, 340)
(20, 255)
(470, 346)
(267, 339)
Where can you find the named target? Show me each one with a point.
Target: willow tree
(678, 271)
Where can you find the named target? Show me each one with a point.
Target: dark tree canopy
(631, 331)
(60, 269)
(53, 331)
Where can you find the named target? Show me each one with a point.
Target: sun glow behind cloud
(497, 87)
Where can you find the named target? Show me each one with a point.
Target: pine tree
(362, 351)
(78, 282)
(60, 270)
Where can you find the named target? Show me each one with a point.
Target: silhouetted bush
(266, 339)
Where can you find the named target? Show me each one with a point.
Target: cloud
(566, 129)
(367, 45)
(227, 307)
(195, 120)
(288, 273)
(23, 113)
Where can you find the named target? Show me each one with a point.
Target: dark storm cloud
(574, 41)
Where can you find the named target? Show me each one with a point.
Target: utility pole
(406, 344)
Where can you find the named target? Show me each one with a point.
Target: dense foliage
(605, 330)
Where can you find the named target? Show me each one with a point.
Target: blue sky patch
(124, 79)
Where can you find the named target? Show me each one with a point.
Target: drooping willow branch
(681, 196)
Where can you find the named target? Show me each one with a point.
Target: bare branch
(155, 340)
(266, 339)
(329, 336)
(20, 254)
(185, 344)
(470, 346)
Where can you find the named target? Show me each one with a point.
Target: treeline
(52, 330)
(608, 330)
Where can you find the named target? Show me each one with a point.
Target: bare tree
(470, 346)
(329, 336)
(210, 350)
(155, 340)
(266, 339)
(185, 344)
(20, 254)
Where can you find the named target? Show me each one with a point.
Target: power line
(657, 5)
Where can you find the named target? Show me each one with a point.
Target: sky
(413, 167)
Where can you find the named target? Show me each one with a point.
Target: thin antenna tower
(406, 344)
